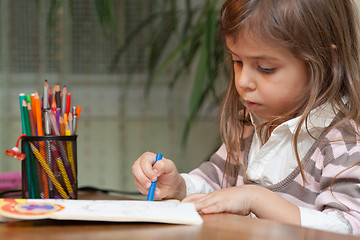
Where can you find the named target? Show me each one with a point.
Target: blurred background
(149, 76)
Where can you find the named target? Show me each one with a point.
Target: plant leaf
(104, 9)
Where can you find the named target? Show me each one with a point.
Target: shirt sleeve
(339, 179)
(209, 176)
(211, 171)
(332, 221)
(195, 184)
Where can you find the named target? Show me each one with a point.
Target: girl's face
(269, 79)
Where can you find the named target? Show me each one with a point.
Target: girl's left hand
(228, 200)
(247, 199)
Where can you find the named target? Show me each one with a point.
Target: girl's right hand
(169, 182)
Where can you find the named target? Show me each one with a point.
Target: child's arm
(247, 199)
(169, 182)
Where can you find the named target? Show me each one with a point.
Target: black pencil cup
(49, 169)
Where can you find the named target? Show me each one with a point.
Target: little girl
(289, 122)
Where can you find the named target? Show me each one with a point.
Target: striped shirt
(321, 163)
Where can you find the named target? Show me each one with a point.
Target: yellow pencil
(70, 150)
(48, 171)
(65, 177)
(62, 170)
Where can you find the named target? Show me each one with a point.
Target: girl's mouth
(252, 105)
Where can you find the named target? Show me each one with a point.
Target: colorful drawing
(20, 207)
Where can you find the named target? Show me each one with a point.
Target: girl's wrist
(178, 190)
(181, 189)
(268, 205)
(256, 198)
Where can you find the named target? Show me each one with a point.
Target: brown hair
(322, 33)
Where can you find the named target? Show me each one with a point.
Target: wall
(118, 123)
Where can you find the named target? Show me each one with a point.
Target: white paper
(100, 210)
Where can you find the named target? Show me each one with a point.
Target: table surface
(215, 226)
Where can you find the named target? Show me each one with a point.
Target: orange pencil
(40, 131)
(38, 115)
(78, 111)
(62, 126)
(65, 118)
(33, 108)
(76, 117)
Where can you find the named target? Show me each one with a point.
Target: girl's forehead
(248, 46)
(251, 41)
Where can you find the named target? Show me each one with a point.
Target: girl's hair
(322, 33)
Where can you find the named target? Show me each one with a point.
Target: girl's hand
(247, 199)
(169, 182)
(228, 200)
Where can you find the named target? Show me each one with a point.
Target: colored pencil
(62, 126)
(57, 96)
(46, 96)
(63, 170)
(70, 151)
(40, 132)
(152, 188)
(38, 115)
(63, 100)
(31, 119)
(68, 103)
(70, 122)
(78, 111)
(48, 171)
(21, 99)
(31, 179)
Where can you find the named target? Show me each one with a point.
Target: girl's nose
(245, 79)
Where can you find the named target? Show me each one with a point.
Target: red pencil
(68, 103)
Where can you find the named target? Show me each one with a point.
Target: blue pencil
(151, 193)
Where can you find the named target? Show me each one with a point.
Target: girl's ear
(334, 47)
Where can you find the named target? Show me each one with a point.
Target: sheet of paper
(99, 210)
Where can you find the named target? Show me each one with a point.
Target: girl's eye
(266, 70)
(238, 62)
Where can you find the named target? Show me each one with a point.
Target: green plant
(196, 27)
(180, 39)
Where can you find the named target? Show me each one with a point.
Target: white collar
(319, 118)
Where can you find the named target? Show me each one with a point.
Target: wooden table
(216, 226)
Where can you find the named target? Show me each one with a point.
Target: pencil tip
(78, 111)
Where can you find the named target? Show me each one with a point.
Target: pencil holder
(49, 169)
